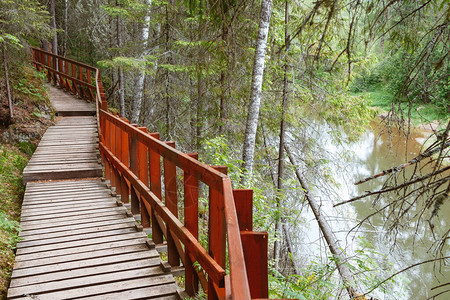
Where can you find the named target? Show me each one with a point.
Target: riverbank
(427, 116)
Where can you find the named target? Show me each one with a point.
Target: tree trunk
(137, 101)
(330, 238)
(280, 187)
(248, 150)
(120, 71)
(53, 26)
(8, 89)
(201, 88)
(222, 81)
(167, 74)
(66, 13)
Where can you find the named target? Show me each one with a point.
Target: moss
(30, 95)
(12, 162)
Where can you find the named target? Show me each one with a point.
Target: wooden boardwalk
(76, 241)
(67, 105)
(67, 150)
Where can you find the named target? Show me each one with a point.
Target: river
(347, 163)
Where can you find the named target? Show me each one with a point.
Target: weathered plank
(66, 152)
(65, 105)
(103, 269)
(80, 253)
(93, 290)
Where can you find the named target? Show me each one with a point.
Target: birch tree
(137, 101)
(254, 105)
(53, 26)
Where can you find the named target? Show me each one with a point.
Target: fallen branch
(390, 189)
(415, 160)
(330, 238)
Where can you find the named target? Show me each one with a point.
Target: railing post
(134, 167)
(112, 148)
(66, 80)
(170, 189)
(154, 161)
(107, 141)
(143, 176)
(80, 77)
(217, 234)
(254, 245)
(191, 223)
(60, 69)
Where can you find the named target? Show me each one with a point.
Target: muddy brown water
(378, 150)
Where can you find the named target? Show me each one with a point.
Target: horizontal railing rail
(66, 73)
(146, 172)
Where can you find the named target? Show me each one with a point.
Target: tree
(137, 102)
(251, 127)
(19, 22)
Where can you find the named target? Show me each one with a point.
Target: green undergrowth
(12, 162)
(420, 113)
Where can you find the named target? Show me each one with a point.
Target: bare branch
(415, 160)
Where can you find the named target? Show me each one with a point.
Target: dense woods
(245, 83)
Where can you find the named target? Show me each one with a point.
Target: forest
(335, 112)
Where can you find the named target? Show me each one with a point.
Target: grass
(12, 162)
(420, 112)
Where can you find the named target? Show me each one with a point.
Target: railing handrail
(238, 281)
(65, 59)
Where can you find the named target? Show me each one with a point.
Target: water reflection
(376, 151)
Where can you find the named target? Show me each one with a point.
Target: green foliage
(351, 112)
(314, 282)
(23, 87)
(130, 10)
(12, 162)
(371, 268)
(11, 228)
(27, 148)
(217, 152)
(22, 20)
(129, 64)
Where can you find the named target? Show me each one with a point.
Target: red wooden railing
(133, 159)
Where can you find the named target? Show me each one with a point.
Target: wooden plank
(68, 186)
(66, 167)
(105, 288)
(57, 174)
(104, 269)
(44, 185)
(76, 232)
(43, 202)
(74, 238)
(78, 261)
(73, 254)
(55, 202)
(61, 220)
(39, 211)
(73, 196)
(86, 242)
(44, 227)
(165, 292)
(51, 206)
(86, 281)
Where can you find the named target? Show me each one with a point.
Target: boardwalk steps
(76, 242)
(67, 150)
(67, 105)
